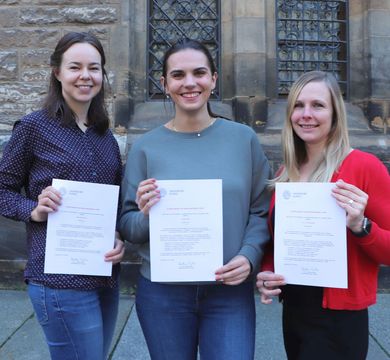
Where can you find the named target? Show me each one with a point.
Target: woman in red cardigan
(329, 323)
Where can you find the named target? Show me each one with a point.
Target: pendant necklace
(211, 122)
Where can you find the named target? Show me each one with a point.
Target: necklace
(211, 122)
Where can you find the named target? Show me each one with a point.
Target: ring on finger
(264, 284)
(350, 202)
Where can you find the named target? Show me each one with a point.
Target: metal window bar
(172, 20)
(311, 35)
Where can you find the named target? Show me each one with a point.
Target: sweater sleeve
(14, 171)
(133, 224)
(375, 181)
(256, 233)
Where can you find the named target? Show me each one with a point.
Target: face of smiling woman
(189, 81)
(80, 75)
(312, 115)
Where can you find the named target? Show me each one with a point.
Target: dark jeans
(176, 319)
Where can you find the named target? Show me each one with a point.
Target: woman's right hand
(48, 201)
(147, 195)
(268, 284)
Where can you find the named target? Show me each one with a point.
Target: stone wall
(249, 50)
(30, 28)
(29, 32)
(370, 61)
(378, 41)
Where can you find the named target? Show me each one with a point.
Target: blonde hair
(337, 146)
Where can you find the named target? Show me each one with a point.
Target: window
(172, 20)
(311, 35)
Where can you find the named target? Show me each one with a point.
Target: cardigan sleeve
(267, 263)
(374, 179)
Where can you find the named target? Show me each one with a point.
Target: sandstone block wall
(29, 31)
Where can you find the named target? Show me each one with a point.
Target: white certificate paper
(186, 231)
(310, 235)
(82, 230)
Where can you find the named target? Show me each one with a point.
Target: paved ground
(21, 337)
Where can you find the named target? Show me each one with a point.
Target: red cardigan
(364, 254)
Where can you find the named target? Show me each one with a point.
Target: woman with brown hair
(68, 139)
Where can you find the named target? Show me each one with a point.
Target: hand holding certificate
(82, 230)
(186, 231)
(310, 235)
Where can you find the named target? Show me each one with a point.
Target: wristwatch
(366, 228)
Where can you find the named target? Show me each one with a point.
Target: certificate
(310, 235)
(186, 230)
(82, 230)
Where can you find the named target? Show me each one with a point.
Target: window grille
(172, 20)
(311, 35)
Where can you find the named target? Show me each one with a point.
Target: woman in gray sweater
(217, 317)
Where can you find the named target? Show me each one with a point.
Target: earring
(212, 92)
(167, 96)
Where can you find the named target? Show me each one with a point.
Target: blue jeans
(77, 324)
(177, 319)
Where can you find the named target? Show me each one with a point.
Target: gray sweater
(226, 150)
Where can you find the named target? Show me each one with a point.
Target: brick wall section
(29, 31)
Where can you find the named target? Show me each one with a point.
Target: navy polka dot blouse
(39, 150)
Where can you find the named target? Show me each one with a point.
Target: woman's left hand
(235, 271)
(116, 254)
(354, 201)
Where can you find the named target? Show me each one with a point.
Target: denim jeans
(77, 324)
(177, 319)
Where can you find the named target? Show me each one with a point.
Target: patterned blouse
(39, 150)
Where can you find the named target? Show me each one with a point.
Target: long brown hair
(55, 103)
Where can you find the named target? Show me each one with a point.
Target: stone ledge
(11, 275)
(68, 15)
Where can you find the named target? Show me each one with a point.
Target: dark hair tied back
(185, 44)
